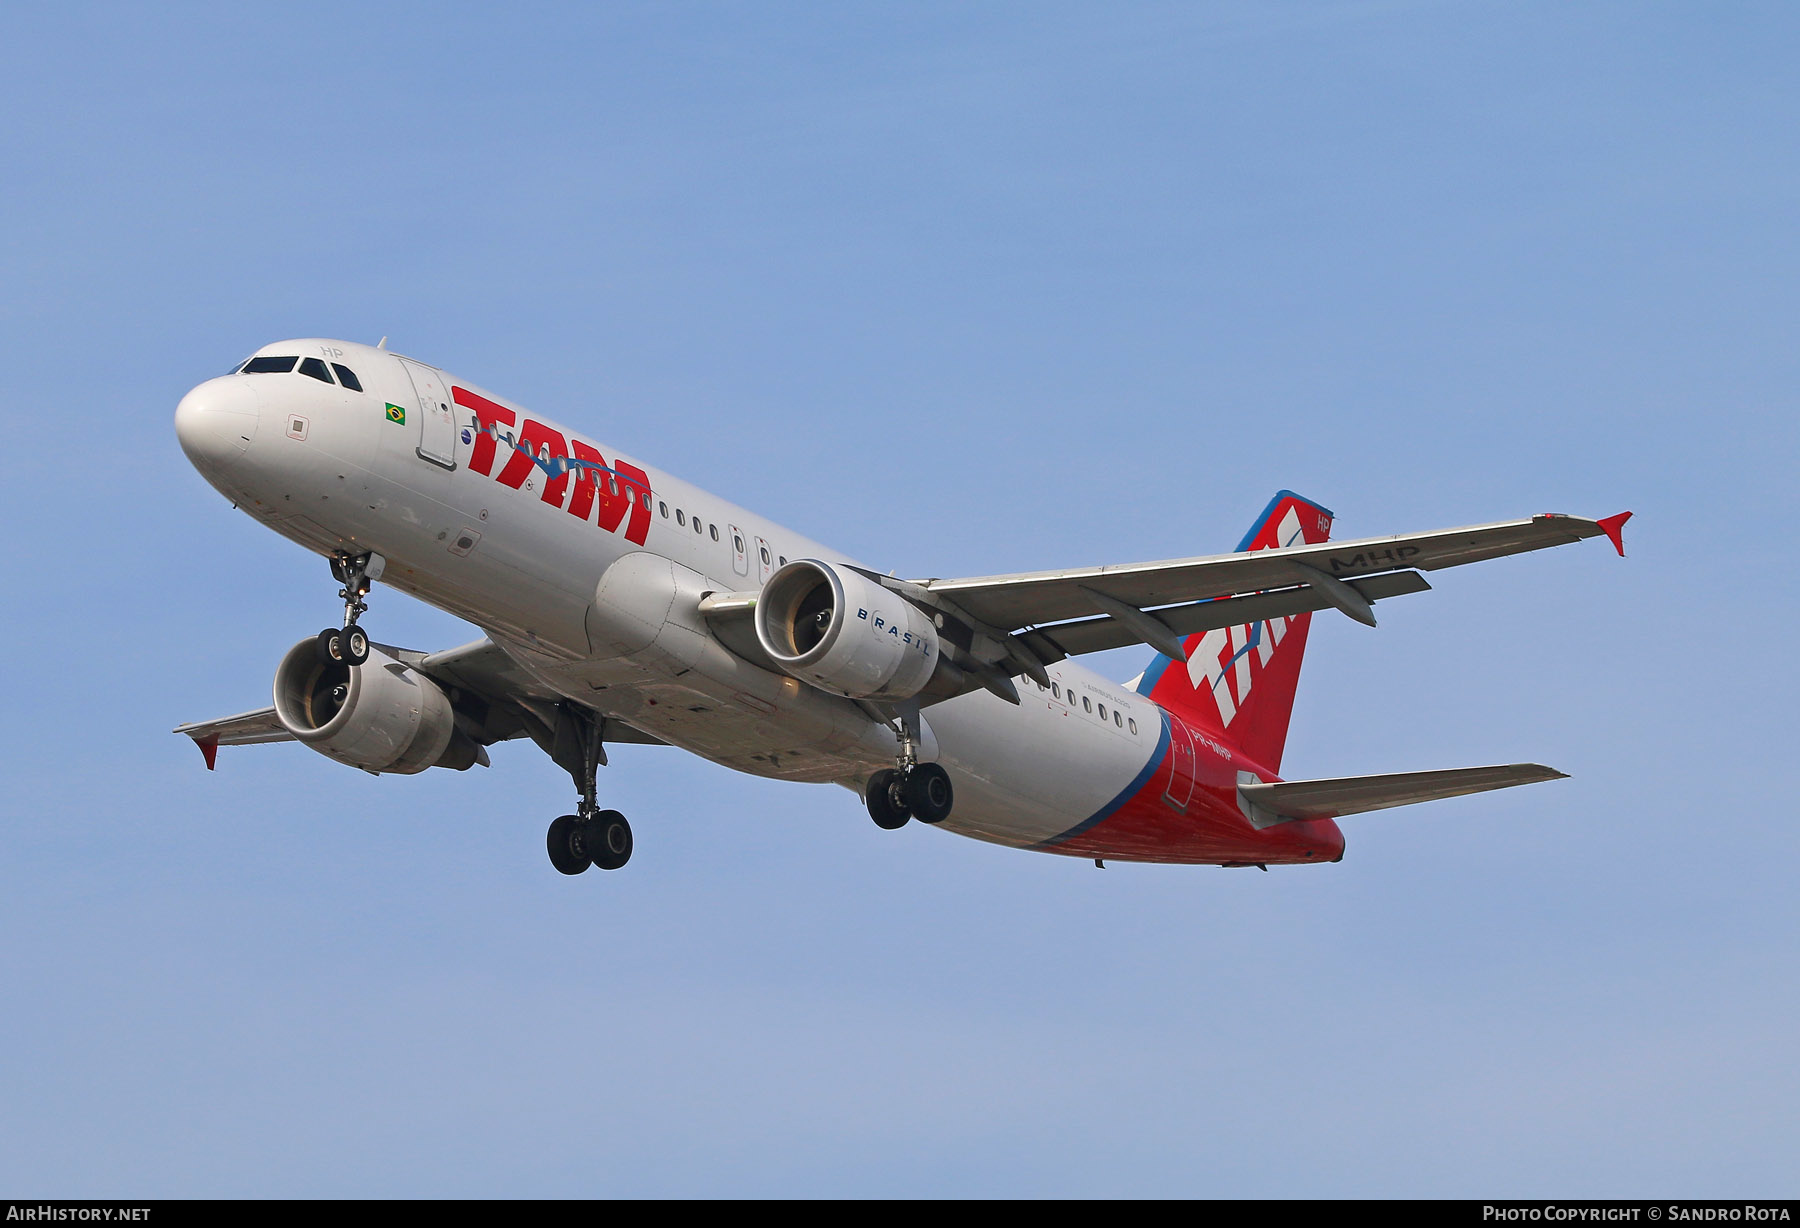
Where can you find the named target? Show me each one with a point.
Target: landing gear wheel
(607, 837)
(886, 805)
(331, 646)
(568, 848)
(354, 644)
(928, 793)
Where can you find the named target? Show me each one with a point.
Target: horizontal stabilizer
(1265, 805)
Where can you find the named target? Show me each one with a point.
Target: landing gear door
(1181, 765)
(437, 426)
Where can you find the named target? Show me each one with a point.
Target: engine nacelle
(381, 716)
(844, 633)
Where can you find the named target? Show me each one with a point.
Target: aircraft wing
(1012, 602)
(996, 628)
(1267, 804)
(1018, 624)
(507, 703)
(245, 729)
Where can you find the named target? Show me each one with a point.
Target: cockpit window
(315, 367)
(271, 365)
(347, 377)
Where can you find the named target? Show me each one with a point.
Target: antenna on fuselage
(382, 344)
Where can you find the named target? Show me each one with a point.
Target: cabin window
(1133, 723)
(663, 508)
(271, 365)
(680, 517)
(1102, 711)
(1087, 705)
(1117, 723)
(698, 527)
(1055, 691)
(737, 543)
(765, 556)
(347, 377)
(715, 531)
(784, 560)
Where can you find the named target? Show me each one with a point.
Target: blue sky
(963, 289)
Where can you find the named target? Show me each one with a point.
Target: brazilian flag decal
(396, 414)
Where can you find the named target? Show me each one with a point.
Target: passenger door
(437, 426)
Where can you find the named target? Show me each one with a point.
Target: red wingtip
(209, 749)
(1615, 530)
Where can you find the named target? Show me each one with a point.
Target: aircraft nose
(216, 421)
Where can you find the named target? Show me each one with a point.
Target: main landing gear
(591, 837)
(602, 839)
(909, 789)
(349, 644)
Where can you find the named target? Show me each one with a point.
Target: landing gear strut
(909, 789)
(349, 644)
(591, 836)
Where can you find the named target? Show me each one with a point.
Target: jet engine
(844, 633)
(381, 716)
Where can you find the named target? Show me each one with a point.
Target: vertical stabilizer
(1239, 682)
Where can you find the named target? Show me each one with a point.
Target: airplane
(620, 604)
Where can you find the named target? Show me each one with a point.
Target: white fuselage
(396, 468)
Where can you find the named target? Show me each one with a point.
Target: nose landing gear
(349, 644)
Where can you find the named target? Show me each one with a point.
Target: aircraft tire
(883, 799)
(331, 646)
(928, 793)
(568, 852)
(607, 837)
(354, 644)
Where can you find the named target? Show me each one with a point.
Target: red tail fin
(1239, 682)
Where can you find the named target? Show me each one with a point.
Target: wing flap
(1266, 804)
(1098, 634)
